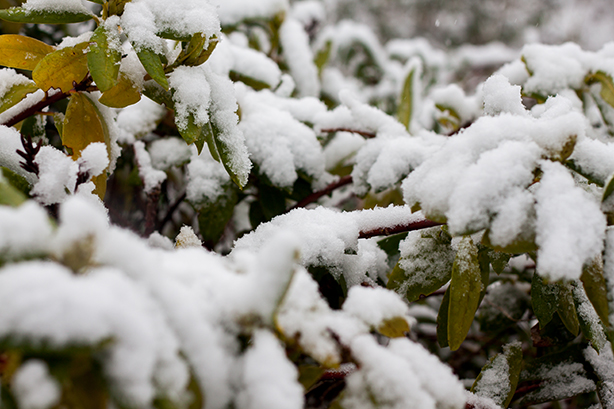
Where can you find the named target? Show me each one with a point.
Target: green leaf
(21, 15)
(156, 93)
(214, 215)
(607, 85)
(498, 379)
(223, 148)
(153, 65)
(390, 244)
(608, 189)
(249, 81)
(426, 268)
(103, 59)
(9, 195)
(544, 299)
(62, 68)
(442, 320)
(596, 290)
(550, 298)
(322, 56)
(590, 325)
(396, 327)
(465, 291)
(16, 180)
(17, 51)
(15, 94)
(192, 133)
(308, 375)
(405, 109)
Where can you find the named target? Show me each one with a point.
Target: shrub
(364, 217)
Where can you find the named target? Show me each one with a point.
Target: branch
(401, 228)
(346, 180)
(151, 211)
(359, 132)
(48, 100)
(170, 212)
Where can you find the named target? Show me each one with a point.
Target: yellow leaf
(62, 68)
(394, 327)
(121, 95)
(22, 52)
(83, 124)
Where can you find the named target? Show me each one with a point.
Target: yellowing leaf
(15, 94)
(83, 125)
(21, 15)
(405, 109)
(62, 68)
(22, 52)
(394, 327)
(9, 195)
(121, 95)
(103, 59)
(607, 85)
(465, 290)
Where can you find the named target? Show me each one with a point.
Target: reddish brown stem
(401, 228)
(48, 100)
(359, 132)
(346, 180)
(151, 211)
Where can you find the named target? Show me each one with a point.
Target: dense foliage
(246, 205)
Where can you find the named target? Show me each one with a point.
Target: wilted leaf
(15, 94)
(21, 15)
(395, 327)
(465, 289)
(153, 65)
(62, 68)
(17, 51)
(607, 85)
(103, 59)
(499, 377)
(123, 94)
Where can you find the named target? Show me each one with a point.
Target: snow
(274, 385)
(26, 230)
(570, 226)
(500, 96)
(139, 119)
(57, 176)
(207, 179)
(191, 95)
(168, 152)
(33, 387)
(152, 178)
(187, 238)
(297, 53)
(143, 19)
(94, 159)
(233, 11)
(58, 6)
(374, 305)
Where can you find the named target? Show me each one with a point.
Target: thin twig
(359, 132)
(346, 180)
(171, 211)
(401, 228)
(84, 85)
(151, 212)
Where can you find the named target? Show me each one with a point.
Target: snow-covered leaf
(23, 15)
(103, 57)
(465, 291)
(499, 377)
